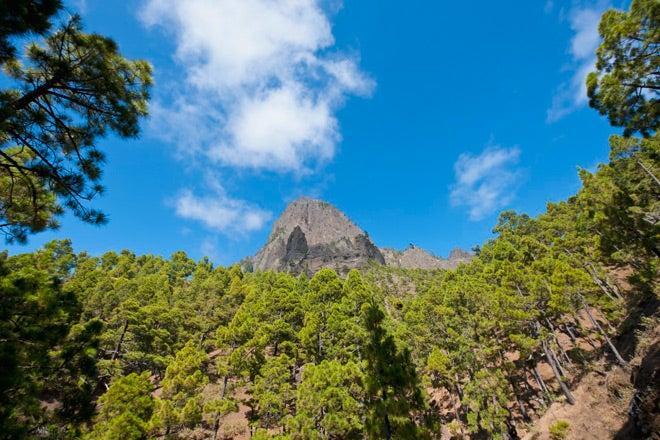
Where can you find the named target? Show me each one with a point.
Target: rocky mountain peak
(312, 234)
(318, 220)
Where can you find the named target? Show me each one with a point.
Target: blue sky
(420, 120)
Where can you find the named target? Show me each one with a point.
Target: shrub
(559, 430)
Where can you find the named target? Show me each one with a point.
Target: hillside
(547, 330)
(255, 354)
(414, 257)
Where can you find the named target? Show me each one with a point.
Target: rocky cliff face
(312, 234)
(415, 257)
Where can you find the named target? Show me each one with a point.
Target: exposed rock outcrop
(415, 257)
(312, 234)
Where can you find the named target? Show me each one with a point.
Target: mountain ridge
(415, 257)
(312, 234)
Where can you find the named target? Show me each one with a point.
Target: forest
(126, 346)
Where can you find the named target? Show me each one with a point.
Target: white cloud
(261, 81)
(220, 212)
(232, 43)
(281, 129)
(486, 182)
(572, 94)
(187, 126)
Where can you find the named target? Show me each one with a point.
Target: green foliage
(45, 349)
(273, 390)
(32, 202)
(486, 399)
(69, 90)
(181, 402)
(331, 357)
(125, 409)
(392, 386)
(319, 358)
(623, 198)
(626, 83)
(329, 402)
(21, 17)
(559, 430)
(325, 289)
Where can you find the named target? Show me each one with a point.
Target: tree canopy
(626, 83)
(69, 90)
(121, 345)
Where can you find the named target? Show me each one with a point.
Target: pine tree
(181, 403)
(626, 84)
(273, 391)
(392, 386)
(329, 402)
(69, 91)
(214, 409)
(325, 288)
(44, 350)
(21, 17)
(125, 409)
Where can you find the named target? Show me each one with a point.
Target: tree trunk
(613, 286)
(555, 371)
(459, 390)
(569, 331)
(604, 285)
(319, 341)
(552, 358)
(607, 282)
(460, 412)
(546, 349)
(541, 384)
(529, 391)
(512, 429)
(388, 427)
(619, 359)
(457, 413)
(560, 367)
(216, 425)
(649, 172)
(525, 383)
(561, 349)
(521, 405)
(115, 354)
(224, 386)
(585, 335)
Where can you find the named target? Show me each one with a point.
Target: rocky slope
(415, 257)
(312, 234)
